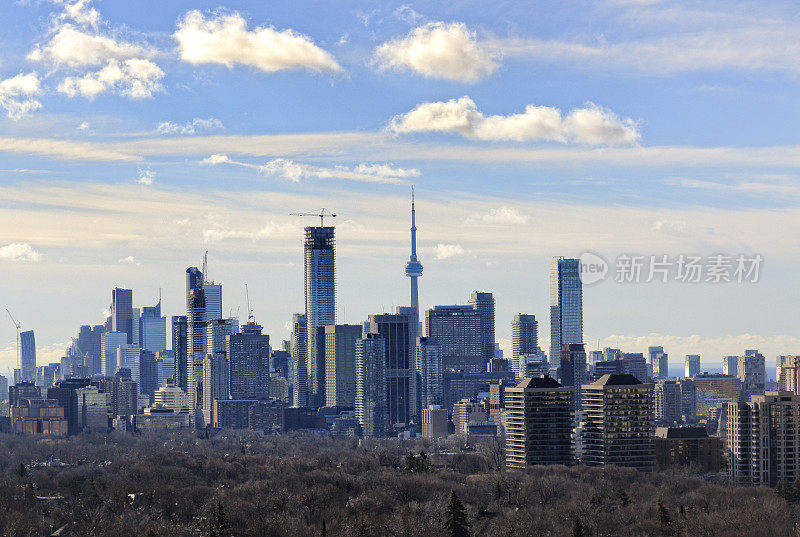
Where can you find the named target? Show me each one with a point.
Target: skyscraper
(196, 342)
(217, 332)
(213, 294)
(216, 383)
(394, 329)
(179, 348)
(458, 330)
(573, 369)
(691, 366)
(27, 343)
(752, 372)
(524, 340)
(371, 385)
(340, 364)
(484, 304)
(762, 439)
(88, 343)
(152, 329)
(430, 373)
(299, 372)
(122, 312)
(729, 365)
(618, 423)
(248, 359)
(320, 293)
(566, 304)
(668, 401)
(540, 416)
(659, 361)
(109, 343)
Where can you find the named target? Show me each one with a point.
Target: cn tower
(414, 267)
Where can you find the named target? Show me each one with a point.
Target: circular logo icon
(593, 268)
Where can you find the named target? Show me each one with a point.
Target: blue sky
(136, 135)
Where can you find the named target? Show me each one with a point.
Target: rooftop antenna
(321, 215)
(249, 311)
(17, 326)
(205, 266)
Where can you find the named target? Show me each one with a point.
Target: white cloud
(386, 170)
(215, 159)
(589, 125)
(130, 260)
(83, 126)
(446, 251)
(224, 39)
(439, 50)
(191, 127)
(146, 177)
(595, 125)
(134, 78)
(71, 46)
(504, 215)
(296, 171)
(19, 252)
(80, 11)
(93, 59)
(17, 95)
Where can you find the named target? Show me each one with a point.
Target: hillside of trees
(237, 484)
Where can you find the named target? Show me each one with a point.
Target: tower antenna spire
(414, 267)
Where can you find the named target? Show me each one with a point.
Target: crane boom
(17, 325)
(321, 215)
(249, 311)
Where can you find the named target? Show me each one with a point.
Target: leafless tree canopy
(181, 485)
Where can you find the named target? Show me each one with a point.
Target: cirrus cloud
(439, 50)
(591, 124)
(224, 39)
(296, 171)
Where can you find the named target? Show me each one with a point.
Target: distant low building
(688, 447)
(38, 417)
(434, 422)
(232, 413)
(159, 418)
(469, 411)
(268, 416)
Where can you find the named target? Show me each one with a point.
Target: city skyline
(112, 190)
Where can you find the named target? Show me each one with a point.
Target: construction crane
(249, 311)
(17, 326)
(321, 215)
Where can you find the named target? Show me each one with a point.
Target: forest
(238, 484)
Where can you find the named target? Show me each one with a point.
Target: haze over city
(131, 143)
